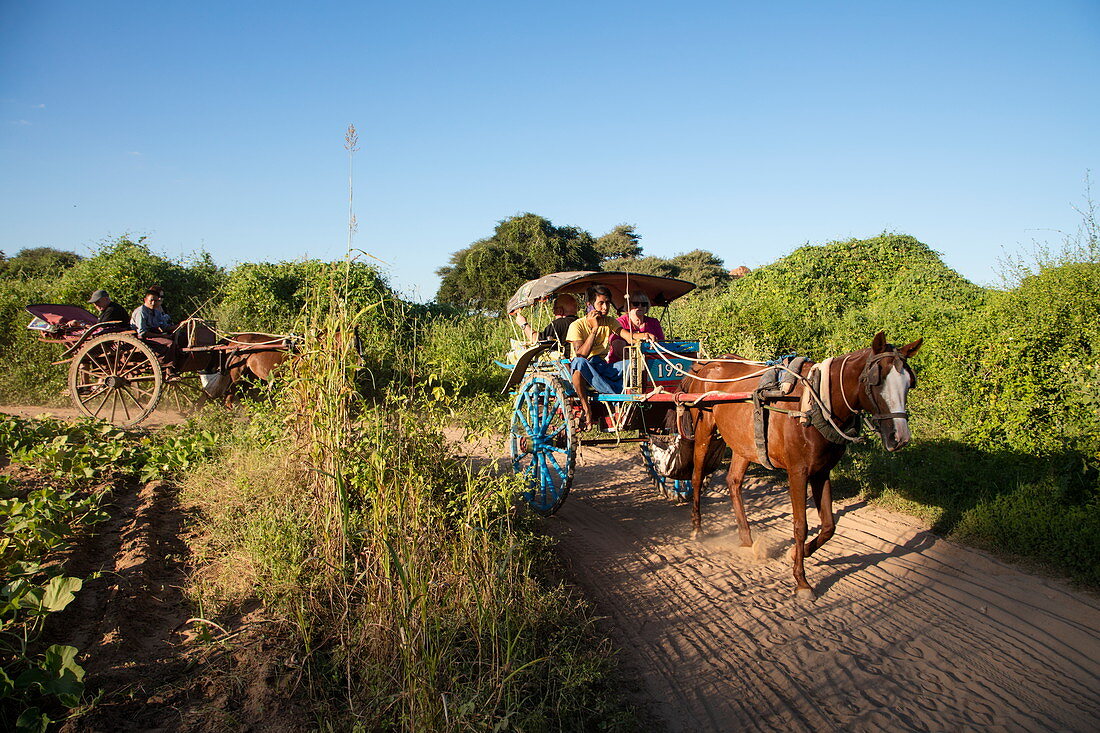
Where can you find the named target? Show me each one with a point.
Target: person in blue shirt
(155, 327)
(149, 318)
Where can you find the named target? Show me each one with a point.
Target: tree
(620, 242)
(484, 275)
(643, 265)
(703, 268)
(125, 268)
(38, 262)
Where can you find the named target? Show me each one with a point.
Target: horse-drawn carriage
(115, 375)
(789, 414)
(545, 433)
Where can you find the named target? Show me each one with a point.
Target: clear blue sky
(746, 129)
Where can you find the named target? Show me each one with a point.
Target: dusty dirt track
(909, 631)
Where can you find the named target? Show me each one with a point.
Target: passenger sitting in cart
(149, 318)
(591, 338)
(153, 324)
(565, 312)
(636, 320)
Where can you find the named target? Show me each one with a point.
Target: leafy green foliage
(1032, 381)
(42, 521)
(275, 294)
(703, 268)
(125, 269)
(484, 275)
(457, 353)
(87, 449)
(35, 524)
(621, 242)
(37, 262)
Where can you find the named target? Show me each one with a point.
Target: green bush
(824, 299)
(459, 350)
(1031, 379)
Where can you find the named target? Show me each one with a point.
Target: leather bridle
(871, 377)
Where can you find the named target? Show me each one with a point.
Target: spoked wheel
(184, 394)
(675, 490)
(544, 447)
(116, 378)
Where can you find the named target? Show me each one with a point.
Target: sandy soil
(158, 419)
(909, 631)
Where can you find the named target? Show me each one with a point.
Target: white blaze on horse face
(894, 390)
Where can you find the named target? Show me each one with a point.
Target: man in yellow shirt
(590, 337)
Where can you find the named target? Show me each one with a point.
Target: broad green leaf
(32, 721)
(66, 676)
(6, 684)
(60, 592)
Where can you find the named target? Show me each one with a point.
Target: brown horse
(253, 355)
(874, 380)
(259, 354)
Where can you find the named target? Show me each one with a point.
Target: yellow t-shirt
(578, 331)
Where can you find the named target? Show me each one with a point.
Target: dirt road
(158, 419)
(909, 631)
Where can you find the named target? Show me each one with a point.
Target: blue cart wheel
(675, 490)
(544, 449)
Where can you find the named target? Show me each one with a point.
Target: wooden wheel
(544, 450)
(184, 394)
(116, 378)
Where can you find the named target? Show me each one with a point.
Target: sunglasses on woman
(636, 304)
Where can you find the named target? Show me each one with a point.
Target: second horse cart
(117, 376)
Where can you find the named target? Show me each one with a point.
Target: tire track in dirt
(909, 631)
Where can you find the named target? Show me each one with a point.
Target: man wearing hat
(109, 310)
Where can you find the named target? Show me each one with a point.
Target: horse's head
(885, 383)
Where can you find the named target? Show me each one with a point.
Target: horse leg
(797, 481)
(704, 431)
(823, 497)
(734, 477)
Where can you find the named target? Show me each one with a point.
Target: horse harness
(771, 388)
(774, 383)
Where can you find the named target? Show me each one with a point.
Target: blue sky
(746, 129)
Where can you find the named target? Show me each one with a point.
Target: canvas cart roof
(661, 290)
(55, 314)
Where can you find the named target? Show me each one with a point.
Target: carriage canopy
(661, 290)
(58, 314)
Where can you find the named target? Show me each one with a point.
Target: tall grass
(410, 578)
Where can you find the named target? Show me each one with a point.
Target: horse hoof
(696, 534)
(804, 595)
